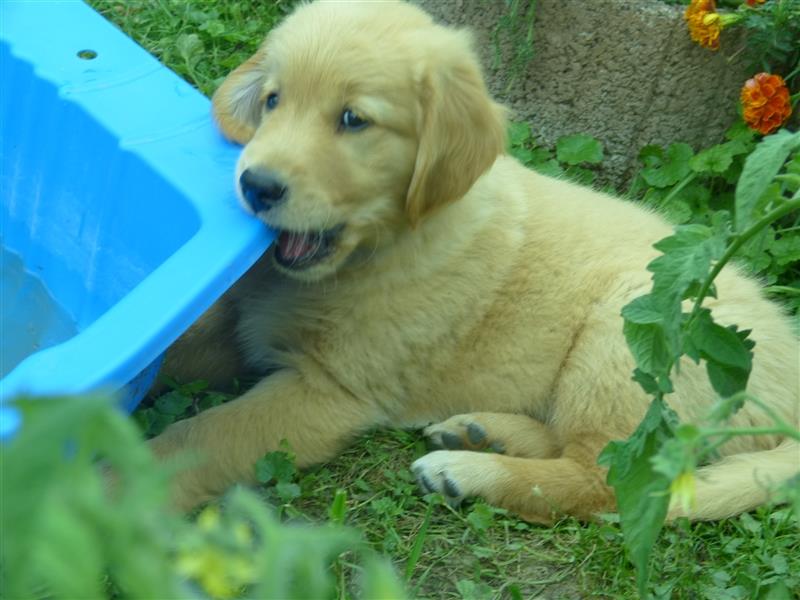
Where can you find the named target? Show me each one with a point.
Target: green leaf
(642, 310)
(579, 148)
(757, 252)
(160, 421)
(550, 168)
(522, 154)
(677, 211)
(687, 258)
(642, 492)
(419, 543)
(777, 591)
(580, 175)
(779, 564)
(675, 456)
(473, 591)
(786, 250)
(648, 382)
(190, 48)
(518, 134)
(287, 491)
(649, 346)
(480, 517)
(276, 466)
(666, 168)
(211, 400)
(193, 388)
(727, 352)
(760, 168)
(214, 27)
(541, 155)
(725, 379)
(716, 159)
(338, 508)
(173, 403)
(719, 344)
(740, 132)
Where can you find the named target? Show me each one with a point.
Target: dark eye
(272, 101)
(351, 121)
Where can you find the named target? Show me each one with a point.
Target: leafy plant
(701, 189)
(661, 455)
(277, 473)
(154, 415)
(66, 534)
(574, 155)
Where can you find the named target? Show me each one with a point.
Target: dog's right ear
(237, 102)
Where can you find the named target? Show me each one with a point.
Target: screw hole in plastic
(87, 54)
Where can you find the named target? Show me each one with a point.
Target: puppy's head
(358, 119)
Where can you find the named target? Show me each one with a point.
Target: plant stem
(782, 289)
(789, 177)
(738, 241)
(787, 229)
(674, 191)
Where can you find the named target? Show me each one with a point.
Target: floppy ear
(236, 103)
(461, 130)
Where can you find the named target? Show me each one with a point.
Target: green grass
(201, 40)
(481, 552)
(478, 551)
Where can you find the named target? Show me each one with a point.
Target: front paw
(462, 432)
(455, 474)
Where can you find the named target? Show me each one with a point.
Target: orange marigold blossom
(704, 33)
(705, 23)
(766, 102)
(754, 2)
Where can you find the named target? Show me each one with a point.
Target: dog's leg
(538, 490)
(513, 435)
(315, 416)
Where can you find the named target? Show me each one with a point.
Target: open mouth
(299, 250)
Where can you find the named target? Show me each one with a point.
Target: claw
(451, 488)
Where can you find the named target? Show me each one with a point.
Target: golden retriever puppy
(421, 276)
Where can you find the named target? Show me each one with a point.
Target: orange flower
(704, 23)
(754, 2)
(766, 103)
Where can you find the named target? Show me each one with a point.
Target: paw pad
(451, 441)
(476, 434)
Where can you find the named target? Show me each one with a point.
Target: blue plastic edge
(190, 154)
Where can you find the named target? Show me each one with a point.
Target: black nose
(261, 188)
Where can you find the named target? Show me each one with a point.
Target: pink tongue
(295, 245)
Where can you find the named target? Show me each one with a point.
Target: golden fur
(464, 289)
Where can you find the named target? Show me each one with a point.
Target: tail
(741, 482)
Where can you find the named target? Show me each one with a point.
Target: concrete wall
(624, 71)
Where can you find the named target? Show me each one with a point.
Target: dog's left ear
(236, 103)
(461, 130)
